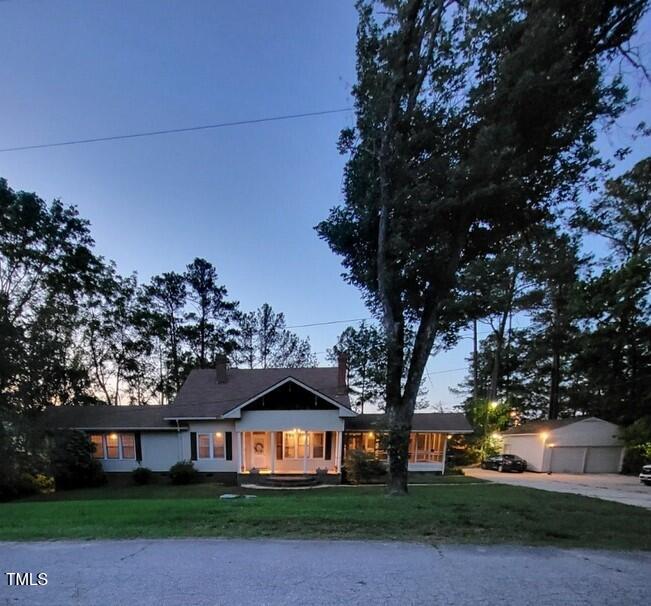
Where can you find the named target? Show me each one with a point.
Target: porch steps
(288, 481)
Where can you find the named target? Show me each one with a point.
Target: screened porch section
(294, 451)
(424, 447)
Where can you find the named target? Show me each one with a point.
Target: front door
(259, 450)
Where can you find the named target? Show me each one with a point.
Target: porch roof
(449, 422)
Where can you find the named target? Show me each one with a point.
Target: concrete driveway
(608, 486)
(231, 572)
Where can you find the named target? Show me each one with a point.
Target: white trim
(116, 429)
(236, 413)
(190, 418)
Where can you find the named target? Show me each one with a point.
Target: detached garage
(574, 445)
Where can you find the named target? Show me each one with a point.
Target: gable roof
(201, 396)
(450, 422)
(543, 425)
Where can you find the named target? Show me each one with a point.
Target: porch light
(370, 434)
(219, 434)
(543, 435)
(113, 436)
(449, 436)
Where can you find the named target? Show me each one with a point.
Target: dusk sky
(246, 198)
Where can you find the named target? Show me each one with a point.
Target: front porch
(289, 452)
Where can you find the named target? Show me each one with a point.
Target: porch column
(273, 451)
(340, 442)
(445, 449)
(243, 453)
(305, 454)
(238, 445)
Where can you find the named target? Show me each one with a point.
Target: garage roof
(543, 425)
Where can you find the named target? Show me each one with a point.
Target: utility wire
(170, 131)
(328, 323)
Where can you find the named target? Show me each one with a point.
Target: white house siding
(529, 447)
(591, 432)
(284, 420)
(160, 449)
(118, 465)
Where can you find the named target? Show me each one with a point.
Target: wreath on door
(259, 447)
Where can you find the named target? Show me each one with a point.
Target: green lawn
(455, 510)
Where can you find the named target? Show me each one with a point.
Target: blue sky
(246, 198)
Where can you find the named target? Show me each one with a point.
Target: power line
(328, 323)
(170, 131)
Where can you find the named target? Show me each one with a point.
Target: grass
(455, 510)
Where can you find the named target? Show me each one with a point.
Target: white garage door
(603, 459)
(567, 459)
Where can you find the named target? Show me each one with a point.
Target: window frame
(211, 437)
(132, 446)
(313, 444)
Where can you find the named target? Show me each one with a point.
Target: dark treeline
(566, 332)
(74, 331)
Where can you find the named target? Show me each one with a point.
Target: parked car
(645, 475)
(505, 462)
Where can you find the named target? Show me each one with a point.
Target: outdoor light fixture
(495, 435)
(449, 436)
(543, 435)
(494, 404)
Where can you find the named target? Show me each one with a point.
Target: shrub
(142, 475)
(362, 467)
(72, 462)
(183, 472)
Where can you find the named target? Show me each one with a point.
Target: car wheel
(500, 468)
(647, 483)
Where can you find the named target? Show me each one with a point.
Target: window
(289, 439)
(112, 446)
(128, 442)
(211, 445)
(204, 445)
(296, 444)
(318, 442)
(369, 442)
(98, 445)
(218, 448)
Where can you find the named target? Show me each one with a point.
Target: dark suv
(505, 462)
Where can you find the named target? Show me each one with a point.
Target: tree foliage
(470, 119)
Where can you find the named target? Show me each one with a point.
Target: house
(232, 421)
(574, 445)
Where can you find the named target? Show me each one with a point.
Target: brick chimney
(342, 372)
(221, 362)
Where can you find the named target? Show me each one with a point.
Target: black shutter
(229, 445)
(138, 446)
(279, 446)
(328, 445)
(193, 445)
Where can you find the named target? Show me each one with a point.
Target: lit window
(301, 445)
(204, 445)
(318, 441)
(290, 444)
(98, 446)
(128, 445)
(112, 447)
(219, 451)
